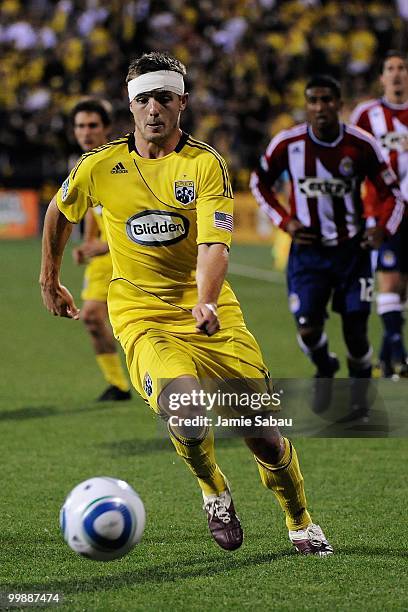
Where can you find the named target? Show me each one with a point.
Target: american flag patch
(223, 221)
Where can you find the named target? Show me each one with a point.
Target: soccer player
(168, 222)
(327, 161)
(92, 124)
(387, 119)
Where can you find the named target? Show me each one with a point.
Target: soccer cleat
(386, 369)
(311, 541)
(401, 370)
(114, 394)
(223, 522)
(323, 385)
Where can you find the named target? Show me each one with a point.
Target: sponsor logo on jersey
(394, 141)
(184, 192)
(312, 187)
(119, 169)
(346, 167)
(65, 189)
(148, 384)
(157, 228)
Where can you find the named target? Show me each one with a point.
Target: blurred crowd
(247, 62)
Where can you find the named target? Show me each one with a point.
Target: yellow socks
(112, 370)
(286, 481)
(199, 455)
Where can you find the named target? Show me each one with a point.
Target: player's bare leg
(95, 317)
(195, 445)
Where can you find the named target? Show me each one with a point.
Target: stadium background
(247, 65)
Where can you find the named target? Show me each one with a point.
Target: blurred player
(387, 119)
(169, 220)
(327, 161)
(92, 124)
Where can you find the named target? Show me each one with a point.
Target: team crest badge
(294, 302)
(346, 166)
(388, 259)
(148, 384)
(184, 192)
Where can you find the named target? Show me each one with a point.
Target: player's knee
(179, 402)
(309, 331)
(268, 449)
(94, 321)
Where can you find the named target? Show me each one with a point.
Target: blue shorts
(392, 256)
(316, 274)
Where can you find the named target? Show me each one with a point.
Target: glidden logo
(157, 228)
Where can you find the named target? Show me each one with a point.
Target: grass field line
(271, 276)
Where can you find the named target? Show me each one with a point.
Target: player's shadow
(141, 446)
(40, 412)
(137, 446)
(167, 572)
(371, 551)
(28, 412)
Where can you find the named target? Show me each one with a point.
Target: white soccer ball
(102, 518)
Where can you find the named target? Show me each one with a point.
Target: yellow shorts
(98, 274)
(158, 356)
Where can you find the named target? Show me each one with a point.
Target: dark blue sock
(393, 322)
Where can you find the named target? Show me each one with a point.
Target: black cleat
(114, 394)
(223, 522)
(323, 386)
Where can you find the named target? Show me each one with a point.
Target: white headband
(161, 79)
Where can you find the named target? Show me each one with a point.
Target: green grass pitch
(53, 436)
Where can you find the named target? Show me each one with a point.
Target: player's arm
(57, 229)
(392, 205)
(215, 208)
(92, 246)
(212, 265)
(69, 206)
(263, 178)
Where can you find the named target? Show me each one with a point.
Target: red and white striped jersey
(325, 181)
(388, 123)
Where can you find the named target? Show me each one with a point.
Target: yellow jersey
(155, 213)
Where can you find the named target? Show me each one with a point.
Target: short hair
(392, 53)
(152, 62)
(92, 105)
(325, 80)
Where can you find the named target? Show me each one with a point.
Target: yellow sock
(200, 458)
(286, 481)
(112, 370)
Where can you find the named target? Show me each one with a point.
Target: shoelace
(316, 535)
(219, 509)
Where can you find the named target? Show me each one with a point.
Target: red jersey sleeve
(271, 165)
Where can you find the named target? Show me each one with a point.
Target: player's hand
(301, 234)
(89, 249)
(207, 318)
(78, 255)
(93, 248)
(404, 143)
(59, 301)
(373, 237)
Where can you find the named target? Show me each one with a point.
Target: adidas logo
(119, 169)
